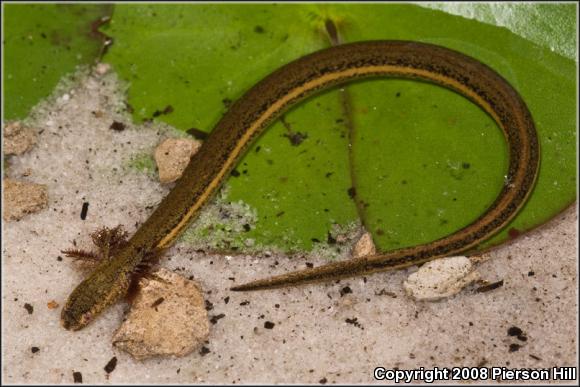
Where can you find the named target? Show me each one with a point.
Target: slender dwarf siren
(287, 86)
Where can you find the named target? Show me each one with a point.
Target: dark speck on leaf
(465, 165)
(118, 126)
(168, 109)
(247, 227)
(398, 94)
(296, 138)
(351, 192)
(332, 31)
(111, 365)
(315, 240)
(259, 29)
(227, 102)
(514, 233)
(235, 173)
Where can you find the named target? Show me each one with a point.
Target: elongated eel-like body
(290, 84)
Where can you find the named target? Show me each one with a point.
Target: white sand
(80, 159)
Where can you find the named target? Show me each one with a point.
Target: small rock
(345, 302)
(174, 327)
(364, 246)
(52, 304)
(18, 138)
(102, 68)
(440, 278)
(21, 198)
(172, 156)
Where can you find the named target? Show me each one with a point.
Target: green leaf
(42, 43)
(427, 147)
(424, 160)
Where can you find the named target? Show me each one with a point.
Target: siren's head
(98, 291)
